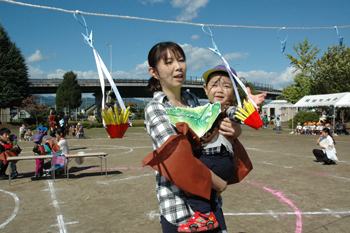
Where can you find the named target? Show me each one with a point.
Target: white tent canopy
(336, 100)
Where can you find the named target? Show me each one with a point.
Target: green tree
(68, 92)
(332, 70)
(303, 64)
(14, 81)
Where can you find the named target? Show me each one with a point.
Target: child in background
(39, 149)
(313, 128)
(278, 125)
(28, 135)
(216, 154)
(16, 150)
(305, 129)
(22, 131)
(80, 131)
(298, 129)
(7, 149)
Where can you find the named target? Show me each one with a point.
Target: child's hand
(257, 99)
(229, 128)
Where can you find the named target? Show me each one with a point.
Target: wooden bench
(69, 157)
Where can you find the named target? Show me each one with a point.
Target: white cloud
(195, 37)
(190, 8)
(278, 80)
(37, 57)
(202, 58)
(150, 1)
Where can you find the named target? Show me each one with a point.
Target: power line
(166, 21)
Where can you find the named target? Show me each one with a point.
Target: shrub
(302, 117)
(138, 125)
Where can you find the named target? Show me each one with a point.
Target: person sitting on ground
(305, 129)
(42, 129)
(73, 130)
(298, 128)
(80, 131)
(328, 153)
(28, 135)
(339, 128)
(313, 128)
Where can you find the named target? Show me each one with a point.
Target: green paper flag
(199, 119)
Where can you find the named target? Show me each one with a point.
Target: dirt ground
(285, 192)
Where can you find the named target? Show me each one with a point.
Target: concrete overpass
(133, 88)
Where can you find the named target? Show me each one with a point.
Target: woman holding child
(168, 68)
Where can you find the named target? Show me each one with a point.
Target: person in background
(313, 128)
(339, 128)
(28, 135)
(278, 125)
(265, 120)
(22, 131)
(298, 129)
(305, 129)
(327, 154)
(53, 122)
(39, 149)
(80, 131)
(42, 129)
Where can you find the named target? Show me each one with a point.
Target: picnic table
(69, 157)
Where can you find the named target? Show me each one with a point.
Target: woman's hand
(230, 129)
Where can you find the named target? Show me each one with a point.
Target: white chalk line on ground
(14, 213)
(336, 214)
(127, 178)
(60, 222)
(272, 164)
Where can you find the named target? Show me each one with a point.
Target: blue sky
(52, 43)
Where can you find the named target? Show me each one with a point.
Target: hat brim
(209, 72)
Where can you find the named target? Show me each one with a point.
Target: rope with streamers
(164, 21)
(233, 77)
(101, 67)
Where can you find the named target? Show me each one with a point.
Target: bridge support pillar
(98, 102)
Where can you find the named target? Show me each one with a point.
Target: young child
(298, 129)
(305, 129)
(7, 149)
(22, 131)
(28, 135)
(39, 149)
(16, 150)
(278, 125)
(216, 154)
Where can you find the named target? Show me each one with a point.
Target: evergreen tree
(68, 92)
(14, 81)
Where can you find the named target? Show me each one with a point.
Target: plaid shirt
(171, 199)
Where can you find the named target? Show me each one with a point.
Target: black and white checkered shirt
(171, 199)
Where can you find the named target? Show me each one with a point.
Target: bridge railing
(189, 80)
